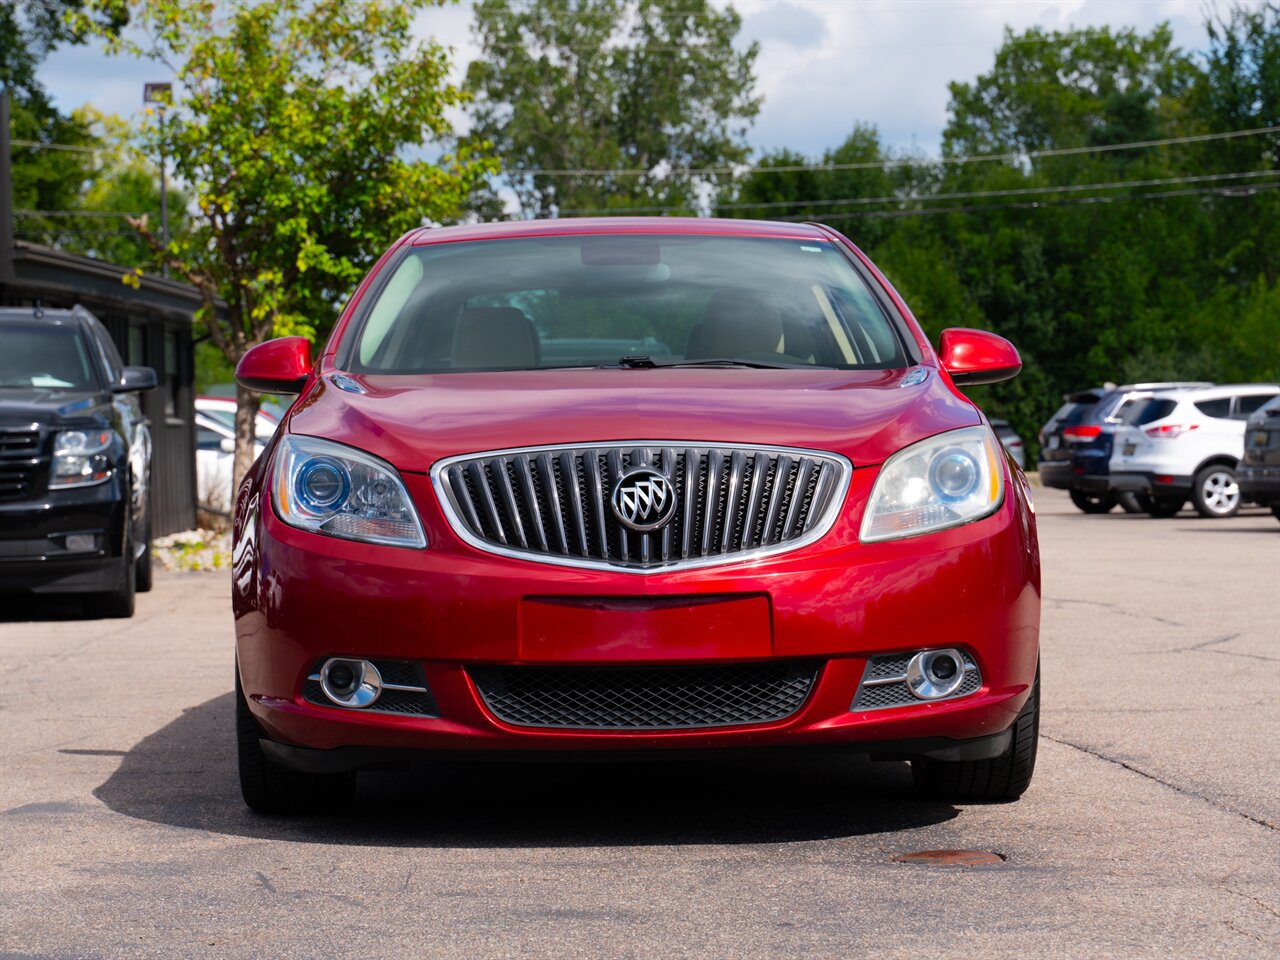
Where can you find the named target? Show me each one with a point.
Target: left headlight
(940, 482)
(328, 488)
(80, 458)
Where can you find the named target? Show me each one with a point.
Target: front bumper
(1259, 483)
(36, 555)
(302, 597)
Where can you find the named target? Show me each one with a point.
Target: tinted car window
(1251, 403)
(1220, 408)
(110, 356)
(46, 355)
(1137, 412)
(587, 300)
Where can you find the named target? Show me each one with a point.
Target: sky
(824, 65)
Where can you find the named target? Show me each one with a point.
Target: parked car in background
(75, 461)
(1010, 440)
(223, 409)
(1259, 471)
(215, 458)
(1076, 445)
(1190, 447)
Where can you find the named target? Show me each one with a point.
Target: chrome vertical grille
(553, 504)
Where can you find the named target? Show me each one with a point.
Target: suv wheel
(142, 571)
(1093, 502)
(270, 788)
(1215, 492)
(1162, 507)
(999, 780)
(1275, 509)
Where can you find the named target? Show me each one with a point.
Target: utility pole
(161, 94)
(6, 193)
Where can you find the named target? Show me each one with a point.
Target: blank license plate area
(623, 629)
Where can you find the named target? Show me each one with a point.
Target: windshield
(629, 300)
(45, 355)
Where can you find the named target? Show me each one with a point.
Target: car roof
(604, 226)
(1219, 390)
(50, 315)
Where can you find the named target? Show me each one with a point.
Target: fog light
(935, 674)
(80, 542)
(350, 683)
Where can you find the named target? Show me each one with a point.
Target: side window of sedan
(207, 439)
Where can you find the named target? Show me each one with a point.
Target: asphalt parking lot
(1149, 831)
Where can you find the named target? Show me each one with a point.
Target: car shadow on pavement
(184, 775)
(32, 608)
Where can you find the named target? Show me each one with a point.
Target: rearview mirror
(277, 366)
(976, 356)
(135, 378)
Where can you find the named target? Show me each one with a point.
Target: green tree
(44, 177)
(292, 125)
(651, 87)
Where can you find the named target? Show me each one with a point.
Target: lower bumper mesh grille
(645, 698)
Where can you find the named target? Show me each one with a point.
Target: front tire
(1130, 502)
(119, 603)
(1215, 493)
(272, 789)
(1094, 502)
(142, 569)
(1000, 780)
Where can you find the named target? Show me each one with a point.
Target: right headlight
(327, 487)
(940, 482)
(81, 458)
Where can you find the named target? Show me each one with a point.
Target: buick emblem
(644, 500)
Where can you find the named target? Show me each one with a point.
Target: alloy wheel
(1220, 492)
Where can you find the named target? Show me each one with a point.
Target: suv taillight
(1170, 431)
(1081, 433)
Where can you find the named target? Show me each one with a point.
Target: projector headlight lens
(940, 482)
(326, 487)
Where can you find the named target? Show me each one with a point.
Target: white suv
(1175, 444)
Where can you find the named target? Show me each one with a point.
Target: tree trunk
(246, 420)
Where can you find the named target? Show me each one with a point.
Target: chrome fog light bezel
(922, 680)
(366, 689)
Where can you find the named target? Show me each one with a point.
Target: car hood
(49, 406)
(413, 421)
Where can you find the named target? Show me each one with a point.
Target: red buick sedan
(587, 486)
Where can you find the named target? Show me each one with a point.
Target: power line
(908, 161)
(960, 195)
(1230, 193)
(40, 145)
(73, 213)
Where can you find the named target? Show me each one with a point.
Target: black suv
(1259, 472)
(75, 461)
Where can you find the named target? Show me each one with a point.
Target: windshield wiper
(648, 363)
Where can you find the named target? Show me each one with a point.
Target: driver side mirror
(976, 356)
(134, 379)
(277, 366)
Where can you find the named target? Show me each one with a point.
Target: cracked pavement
(1150, 829)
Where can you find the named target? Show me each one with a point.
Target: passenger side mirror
(135, 378)
(976, 356)
(277, 366)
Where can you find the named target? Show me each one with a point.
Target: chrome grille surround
(550, 504)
